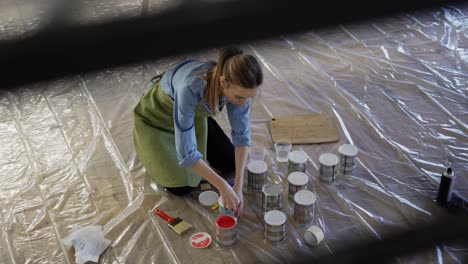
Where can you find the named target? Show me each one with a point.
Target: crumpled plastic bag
(89, 243)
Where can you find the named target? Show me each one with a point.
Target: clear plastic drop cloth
(397, 88)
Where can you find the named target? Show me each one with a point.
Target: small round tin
(297, 181)
(272, 197)
(348, 154)
(304, 206)
(257, 175)
(275, 226)
(328, 167)
(297, 161)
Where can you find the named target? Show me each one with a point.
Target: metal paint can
(226, 230)
(275, 226)
(304, 206)
(297, 161)
(272, 198)
(297, 181)
(328, 167)
(257, 175)
(348, 154)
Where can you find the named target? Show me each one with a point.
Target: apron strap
(175, 70)
(157, 78)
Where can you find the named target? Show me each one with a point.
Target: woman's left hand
(238, 191)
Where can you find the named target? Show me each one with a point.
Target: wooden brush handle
(164, 215)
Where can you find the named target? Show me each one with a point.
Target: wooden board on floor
(304, 129)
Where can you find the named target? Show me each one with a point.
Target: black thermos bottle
(445, 188)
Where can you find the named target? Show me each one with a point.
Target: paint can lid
(298, 178)
(200, 240)
(208, 198)
(275, 218)
(297, 156)
(272, 189)
(348, 150)
(314, 235)
(257, 166)
(305, 197)
(328, 159)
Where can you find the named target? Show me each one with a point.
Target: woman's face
(239, 95)
(236, 94)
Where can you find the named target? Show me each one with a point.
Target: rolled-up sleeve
(185, 102)
(239, 118)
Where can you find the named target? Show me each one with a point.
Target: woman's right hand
(230, 199)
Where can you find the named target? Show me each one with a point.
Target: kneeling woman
(175, 134)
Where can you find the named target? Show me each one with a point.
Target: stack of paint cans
(348, 154)
(272, 198)
(297, 161)
(297, 181)
(275, 226)
(304, 206)
(257, 175)
(328, 167)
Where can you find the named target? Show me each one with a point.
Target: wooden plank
(304, 129)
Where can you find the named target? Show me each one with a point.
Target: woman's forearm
(241, 154)
(202, 168)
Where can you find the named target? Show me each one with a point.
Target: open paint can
(257, 175)
(297, 181)
(275, 226)
(304, 206)
(272, 198)
(328, 167)
(297, 161)
(226, 230)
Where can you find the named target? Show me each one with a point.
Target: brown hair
(237, 68)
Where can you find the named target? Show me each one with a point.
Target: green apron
(154, 138)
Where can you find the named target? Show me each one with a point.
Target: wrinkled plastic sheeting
(397, 88)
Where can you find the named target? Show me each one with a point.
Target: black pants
(219, 153)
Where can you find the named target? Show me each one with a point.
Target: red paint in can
(225, 221)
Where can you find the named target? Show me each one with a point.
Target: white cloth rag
(88, 241)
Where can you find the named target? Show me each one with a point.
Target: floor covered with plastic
(397, 88)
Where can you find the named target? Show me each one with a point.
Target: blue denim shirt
(188, 90)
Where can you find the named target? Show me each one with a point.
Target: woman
(174, 133)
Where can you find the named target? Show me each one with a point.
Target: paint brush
(178, 225)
